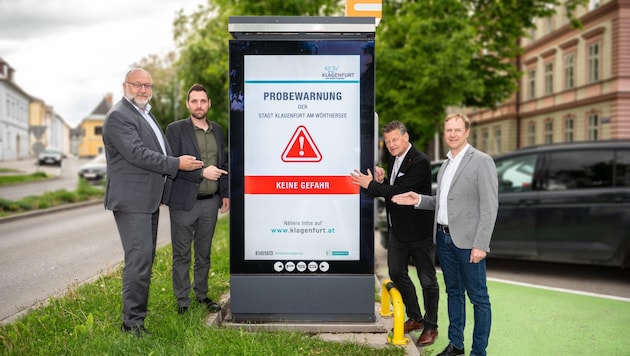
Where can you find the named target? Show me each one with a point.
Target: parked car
(50, 156)
(94, 170)
(566, 203)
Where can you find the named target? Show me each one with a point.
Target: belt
(204, 196)
(443, 228)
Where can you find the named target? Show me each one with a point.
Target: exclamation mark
(301, 138)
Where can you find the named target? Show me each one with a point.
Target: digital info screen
(301, 120)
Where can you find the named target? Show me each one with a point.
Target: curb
(63, 207)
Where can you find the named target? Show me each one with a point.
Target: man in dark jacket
(410, 230)
(196, 198)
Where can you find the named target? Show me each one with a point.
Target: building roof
(103, 107)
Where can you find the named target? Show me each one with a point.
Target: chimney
(110, 100)
(5, 70)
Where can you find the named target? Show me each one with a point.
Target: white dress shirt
(445, 184)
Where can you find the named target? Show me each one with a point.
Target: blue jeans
(462, 276)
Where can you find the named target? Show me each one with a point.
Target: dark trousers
(398, 254)
(138, 234)
(193, 229)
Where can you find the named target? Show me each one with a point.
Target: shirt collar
(459, 155)
(404, 153)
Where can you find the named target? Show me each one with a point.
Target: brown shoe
(411, 325)
(427, 337)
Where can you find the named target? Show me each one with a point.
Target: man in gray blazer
(466, 204)
(138, 164)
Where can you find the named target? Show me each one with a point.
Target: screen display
(301, 119)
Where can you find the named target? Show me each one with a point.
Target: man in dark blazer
(138, 162)
(410, 230)
(196, 198)
(465, 205)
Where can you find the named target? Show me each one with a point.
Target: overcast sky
(71, 53)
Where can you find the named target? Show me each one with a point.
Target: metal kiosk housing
(345, 289)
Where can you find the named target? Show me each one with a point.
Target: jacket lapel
(465, 161)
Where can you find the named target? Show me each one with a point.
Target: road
(64, 177)
(40, 256)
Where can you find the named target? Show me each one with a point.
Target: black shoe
(451, 350)
(138, 330)
(182, 310)
(212, 306)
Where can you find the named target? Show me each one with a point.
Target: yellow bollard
(389, 292)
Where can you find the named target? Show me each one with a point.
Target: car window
(435, 168)
(580, 169)
(622, 168)
(516, 173)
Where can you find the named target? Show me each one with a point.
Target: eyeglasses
(147, 86)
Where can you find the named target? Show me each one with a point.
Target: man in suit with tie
(196, 198)
(466, 204)
(410, 230)
(138, 164)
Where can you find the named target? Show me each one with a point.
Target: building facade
(14, 114)
(91, 129)
(575, 87)
(27, 124)
(47, 128)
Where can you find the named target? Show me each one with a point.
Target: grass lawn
(534, 321)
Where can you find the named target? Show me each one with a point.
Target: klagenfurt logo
(332, 72)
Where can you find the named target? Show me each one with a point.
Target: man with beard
(196, 198)
(139, 161)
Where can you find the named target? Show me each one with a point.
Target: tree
(432, 54)
(203, 39)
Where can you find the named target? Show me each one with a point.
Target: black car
(565, 203)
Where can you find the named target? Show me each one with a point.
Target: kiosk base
(266, 298)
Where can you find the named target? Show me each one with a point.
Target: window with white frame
(568, 129)
(548, 25)
(593, 4)
(549, 131)
(549, 78)
(497, 140)
(531, 80)
(593, 62)
(568, 71)
(593, 127)
(484, 140)
(531, 134)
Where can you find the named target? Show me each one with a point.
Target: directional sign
(367, 8)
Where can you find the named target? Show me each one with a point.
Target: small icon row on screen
(301, 266)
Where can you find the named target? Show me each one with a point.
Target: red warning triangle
(301, 148)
